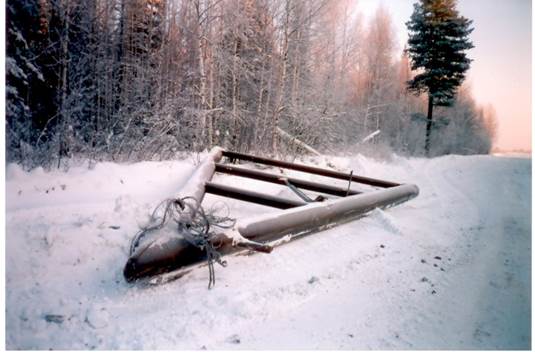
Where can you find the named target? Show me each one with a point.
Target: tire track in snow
(470, 303)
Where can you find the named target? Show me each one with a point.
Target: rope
(193, 223)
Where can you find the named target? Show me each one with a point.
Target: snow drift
(449, 270)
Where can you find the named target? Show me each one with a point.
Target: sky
(501, 71)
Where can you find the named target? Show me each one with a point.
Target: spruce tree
(438, 40)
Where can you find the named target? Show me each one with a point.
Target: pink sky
(501, 71)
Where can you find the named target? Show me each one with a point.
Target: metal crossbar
(309, 169)
(280, 179)
(250, 196)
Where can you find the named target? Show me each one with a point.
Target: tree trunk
(279, 106)
(259, 105)
(428, 127)
(235, 89)
(201, 50)
(63, 134)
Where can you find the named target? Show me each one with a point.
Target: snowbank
(450, 269)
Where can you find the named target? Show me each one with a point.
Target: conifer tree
(438, 40)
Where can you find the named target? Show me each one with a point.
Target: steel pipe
(310, 169)
(252, 197)
(314, 216)
(279, 179)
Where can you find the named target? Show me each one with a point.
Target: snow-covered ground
(450, 269)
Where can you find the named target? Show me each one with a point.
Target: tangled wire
(193, 223)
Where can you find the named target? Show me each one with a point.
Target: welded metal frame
(295, 218)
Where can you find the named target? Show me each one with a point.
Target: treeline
(146, 79)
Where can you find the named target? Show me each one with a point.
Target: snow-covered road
(450, 269)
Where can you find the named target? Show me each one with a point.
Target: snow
(450, 269)
(14, 69)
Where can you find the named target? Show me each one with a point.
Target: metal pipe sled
(171, 251)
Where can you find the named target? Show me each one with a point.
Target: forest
(129, 80)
